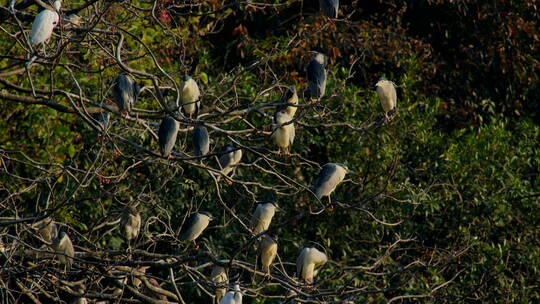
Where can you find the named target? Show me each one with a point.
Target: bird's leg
(196, 245)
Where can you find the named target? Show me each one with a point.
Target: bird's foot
(229, 182)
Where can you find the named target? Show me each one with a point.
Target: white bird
(329, 178)
(386, 90)
(44, 24)
(262, 217)
(233, 296)
(190, 95)
(283, 135)
(267, 252)
(309, 259)
(219, 275)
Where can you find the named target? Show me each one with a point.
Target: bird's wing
(325, 176)
(256, 217)
(187, 228)
(316, 73)
(168, 130)
(43, 26)
(300, 262)
(200, 141)
(292, 134)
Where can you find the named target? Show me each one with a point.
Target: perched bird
(74, 20)
(229, 159)
(328, 179)
(125, 92)
(189, 96)
(44, 24)
(168, 130)
(201, 141)
(63, 246)
(102, 119)
(267, 252)
(194, 226)
(283, 134)
(130, 223)
(309, 259)
(45, 228)
(262, 217)
(330, 8)
(288, 99)
(219, 276)
(386, 90)
(233, 296)
(316, 75)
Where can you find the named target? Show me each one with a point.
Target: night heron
(316, 75)
(63, 246)
(328, 179)
(288, 100)
(167, 133)
(233, 296)
(283, 131)
(46, 229)
(201, 141)
(194, 226)
(44, 23)
(230, 157)
(130, 223)
(125, 92)
(386, 90)
(262, 217)
(330, 8)
(189, 96)
(267, 252)
(219, 276)
(308, 261)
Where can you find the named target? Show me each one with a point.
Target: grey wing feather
(187, 229)
(330, 7)
(201, 143)
(317, 78)
(168, 130)
(325, 177)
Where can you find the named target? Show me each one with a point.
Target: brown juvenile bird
(130, 223)
(267, 252)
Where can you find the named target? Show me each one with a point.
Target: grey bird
(283, 132)
(316, 75)
(102, 119)
(201, 141)
(219, 276)
(329, 178)
(386, 90)
(125, 92)
(289, 99)
(46, 229)
(63, 246)
(267, 252)
(194, 226)
(233, 296)
(262, 217)
(308, 261)
(130, 223)
(167, 133)
(330, 8)
(230, 157)
(189, 96)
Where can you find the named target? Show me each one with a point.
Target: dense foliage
(442, 207)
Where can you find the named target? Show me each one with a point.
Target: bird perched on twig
(189, 96)
(130, 223)
(194, 226)
(125, 92)
(316, 75)
(267, 252)
(330, 176)
(233, 296)
(330, 8)
(283, 132)
(46, 229)
(309, 259)
(262, 217)
(167, 133)
(63, 246)
(230, 157)
(219, 276)
(386, 90)
(201, 141)
(44, 23)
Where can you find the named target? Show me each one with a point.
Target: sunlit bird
(308, 261)
(189, 96)
(44, 24)
(125, 92)
(316, 75)
(194, 226)
(233, 296)
(230, 157)
(283, 132)
(267, 252)
(330, 8)
(201, 141)
(289, 98)
(330, 176)
(167, 133)
(386, 90)
(46, 229)
(219, 276)
(130, 223)
(63, 246)
(262, 217)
